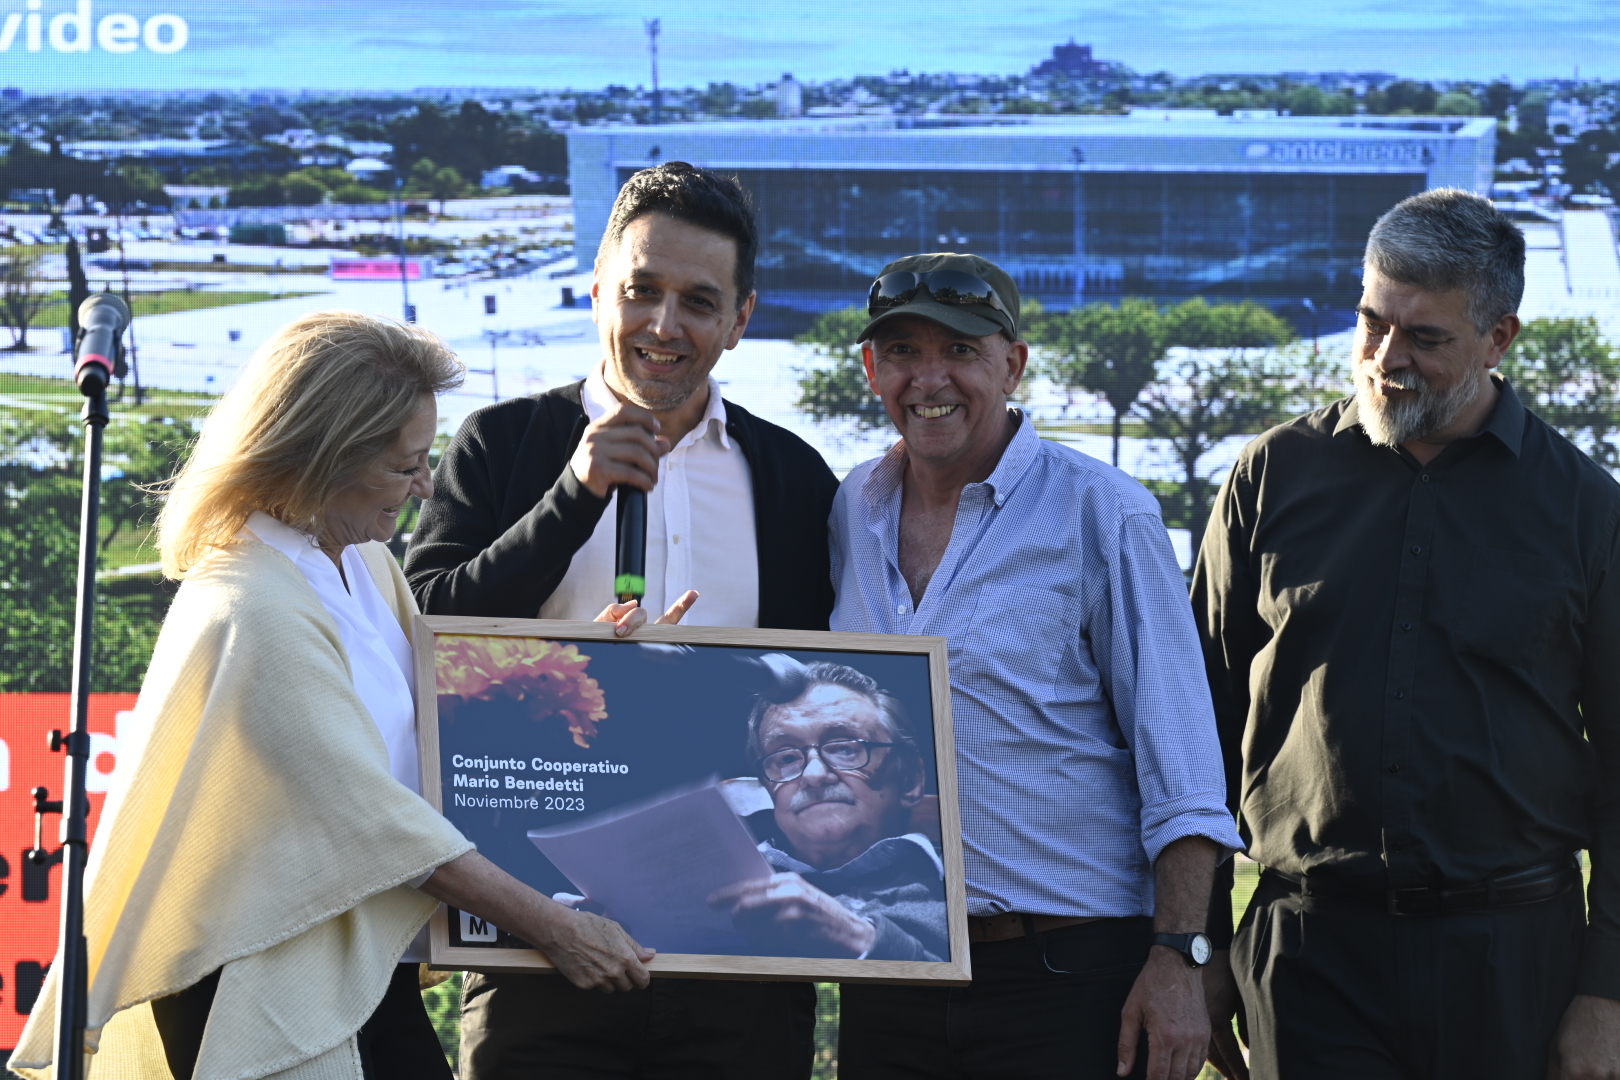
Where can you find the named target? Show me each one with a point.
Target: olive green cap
(976, 320)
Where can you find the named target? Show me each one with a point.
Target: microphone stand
(73, 984)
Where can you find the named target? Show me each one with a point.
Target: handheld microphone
(102, 321)
(630, 568)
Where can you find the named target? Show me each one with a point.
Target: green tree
(1406, 96)
(1314, 101)
(837, 388)
(132, 182)
(20, 300)
(443, 1004)
(356, 193)
(257, 191)
(41, 466)
(447, 183)
(1229, 380)
(1568, 373)
(1533, 113)
(299, 189)
(1498, 96)
(1106, 350)
(1457, 103)
(435, 182)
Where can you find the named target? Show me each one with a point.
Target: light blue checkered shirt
(1085, 740)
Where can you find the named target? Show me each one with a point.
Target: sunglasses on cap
(955, 287)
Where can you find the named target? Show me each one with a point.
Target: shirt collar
(885, 478)
(281, 536)
(1506, 421)
(598, 398)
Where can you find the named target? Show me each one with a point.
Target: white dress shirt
(700, 529)
(379, 653)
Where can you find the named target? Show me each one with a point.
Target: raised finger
(679, 608)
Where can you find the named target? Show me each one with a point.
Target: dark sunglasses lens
(956, 287)
(892, 289)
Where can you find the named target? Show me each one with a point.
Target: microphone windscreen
(104, 311)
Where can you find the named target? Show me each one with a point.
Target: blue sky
(401, 44)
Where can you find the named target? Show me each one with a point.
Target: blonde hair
(315, 407)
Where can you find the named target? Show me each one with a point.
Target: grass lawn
(54, 313)
(29, 395)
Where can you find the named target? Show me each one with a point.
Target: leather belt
(1545, 881)
(1015, 924)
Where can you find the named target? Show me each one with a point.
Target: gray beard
(1391, 422)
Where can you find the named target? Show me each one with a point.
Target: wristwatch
(1195, 947)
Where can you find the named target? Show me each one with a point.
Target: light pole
(1310, 306)
(653, 29)
(493, 337)
(399, 217)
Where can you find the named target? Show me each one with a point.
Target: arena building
(1161, 202)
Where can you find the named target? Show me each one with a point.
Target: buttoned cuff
(1600, 964)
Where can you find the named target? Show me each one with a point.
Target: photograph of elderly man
(523, 525)
(1088, 768)
(1410, 604)
(856, 875)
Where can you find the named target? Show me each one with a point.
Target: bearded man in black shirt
(1410, 604)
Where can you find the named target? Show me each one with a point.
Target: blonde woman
(257, 885)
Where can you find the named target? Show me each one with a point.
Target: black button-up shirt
(1416, 668)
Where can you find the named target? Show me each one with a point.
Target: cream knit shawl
(259, 832)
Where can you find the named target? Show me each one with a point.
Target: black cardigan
(508, 513)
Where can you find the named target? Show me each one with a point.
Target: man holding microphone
(520, 526)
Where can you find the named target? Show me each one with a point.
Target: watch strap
(1182, 943)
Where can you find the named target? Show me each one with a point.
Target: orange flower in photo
(549, 677)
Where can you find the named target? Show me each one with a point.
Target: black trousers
(1335, 988)
(526, 1027)
(1042, 1006)
(397, 1042)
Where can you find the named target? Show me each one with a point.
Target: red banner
(377, 269)
(30, 894)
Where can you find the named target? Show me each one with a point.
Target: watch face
(1200, 949)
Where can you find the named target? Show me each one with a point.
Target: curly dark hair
(699, 197)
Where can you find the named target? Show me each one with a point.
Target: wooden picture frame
(491, 709)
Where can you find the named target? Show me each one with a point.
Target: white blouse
(379, 653)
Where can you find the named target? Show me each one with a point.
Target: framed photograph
(754, 804)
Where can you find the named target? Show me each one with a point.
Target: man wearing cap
(1089, 773)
